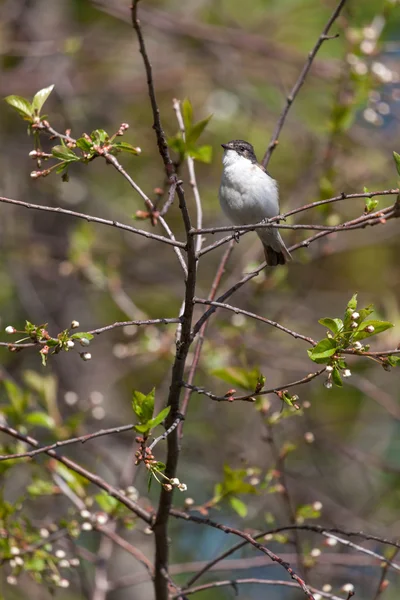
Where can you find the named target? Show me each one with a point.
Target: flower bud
(370, 328)
(10, 329)
(74, 324)
(85, 356)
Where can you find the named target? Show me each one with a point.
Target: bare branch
(361, 549)
(161, 321)
(157, 126)
(268, 223)
(312, 528)
(252, 580)
(301, 79)
(192, 175)
(101, 483)
(91, 219)
(111, 159)
(249, 397)
(82, 439)
(202, 331)
(240, 311)
(249, 539)
(160, 527)
(167, 432)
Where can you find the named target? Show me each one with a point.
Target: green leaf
(336, 377)
(124, 147)
(40, 487)
(35, 564)
(365, 312)
(323, 351)
(397, 161)
(187, 113)
(160, 417)
(143, 406)
(202, 154)
(244, 378)
(378, 326)
(40, 419)
(334, 325)
(84, 144)
(238, 506)
(393, 360)
(40, 98)
(99, 136)
(63, 153)
(76, 482)
(21, 105)
(143, 427)
(106, 502)
(16, 396)
(195, 132)
(352, 303)
(177, 145)
(371, 204)
(82, 334)
(307, 511)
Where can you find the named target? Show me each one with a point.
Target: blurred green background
(237, 61)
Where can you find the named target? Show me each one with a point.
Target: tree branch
(133, 506)
(297, 86)
(160, 527)
(240, 311)
(249, 397)
(252, 580)
(250, 540)
(91, 219)
(82, 439)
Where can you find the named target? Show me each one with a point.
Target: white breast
(247, 194)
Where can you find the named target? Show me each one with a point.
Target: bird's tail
(277, 254)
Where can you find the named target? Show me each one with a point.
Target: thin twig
(192, 175)
(249, 539)
(202, 332)
(167, 432)
(161, 321)
(111, 159)
(268, 223)
(101, 483)
(251, 580)
(361, 549)
(240, 311)
(300, 81)
(250, 397)
(82, 439)
(360, 222)
(313, 528)
(92, 219)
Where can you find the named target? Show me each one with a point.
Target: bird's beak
(225, 146)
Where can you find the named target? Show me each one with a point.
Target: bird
(248, 195)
